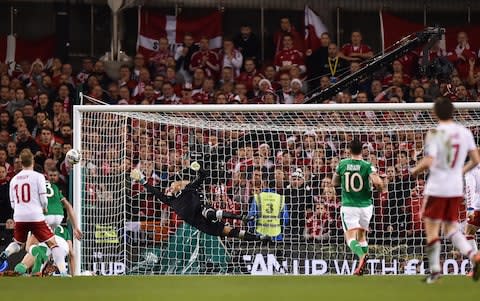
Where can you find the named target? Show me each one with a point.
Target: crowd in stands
(36, 110)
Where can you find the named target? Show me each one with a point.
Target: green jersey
(55, 196)
(63, 233)
(355, 180)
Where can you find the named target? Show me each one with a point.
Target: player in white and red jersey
(446, 148)
(472, 196)
(28, 197)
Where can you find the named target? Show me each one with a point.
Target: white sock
(473, 242)
(433, 252)
(13, 248)
(460, 242)
(59, 259)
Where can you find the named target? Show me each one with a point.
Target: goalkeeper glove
(137, 176)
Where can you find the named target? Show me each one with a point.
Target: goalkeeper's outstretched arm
(201, 175)
(137, 176)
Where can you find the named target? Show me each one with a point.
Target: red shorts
(41, 231)
(474, 219)
(445, 209)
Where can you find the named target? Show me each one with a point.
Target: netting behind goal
(293, 151)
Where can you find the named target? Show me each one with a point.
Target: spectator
(317, 223)
(356, 50)
(87, 69)
(298, 198)
(246, 77)
(19, 102)
(247, 43)
(286, 28)
(461, 55)
(231, 57)
(183, 56)
(6, 235)
(334, 65)
(271, 213)
(318, 58)
(138, 65)
(158, 61)
(289, 56)
(205, 59)
(6, 211)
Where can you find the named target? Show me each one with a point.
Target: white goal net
(292, 149)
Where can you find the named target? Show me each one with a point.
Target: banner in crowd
(154, 25)
(13, 50)
(394, 28)
(314, 28)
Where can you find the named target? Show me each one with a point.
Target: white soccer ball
(73, 156)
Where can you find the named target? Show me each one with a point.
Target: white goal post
(292, 149)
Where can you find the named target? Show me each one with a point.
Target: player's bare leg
(470, 234)
(351, 237)
(460, 242)
(432, 230)
(13, 247)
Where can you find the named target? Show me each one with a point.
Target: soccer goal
(291, 149)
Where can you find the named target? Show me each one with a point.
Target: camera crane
(429, 37)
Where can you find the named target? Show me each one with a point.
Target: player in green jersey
(355, 175)
(38, 254)
(56, 204)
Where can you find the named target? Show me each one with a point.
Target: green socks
(21, 268)
(40, 254)
(356, 248)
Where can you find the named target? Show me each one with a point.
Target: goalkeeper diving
(186, 199)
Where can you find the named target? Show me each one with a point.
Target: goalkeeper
(185, 199)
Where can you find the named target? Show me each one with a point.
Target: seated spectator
(246, 77)
(87, 69)
(19, 102)
(356, 50)
(247, 43)
(183, 56)
(6, 211)
(317, 224)
(461, 55)
(6, 235)
(231, 57)
(159, 60)
(143, 79)
(289, 56)
(286, 28)
(205, 59)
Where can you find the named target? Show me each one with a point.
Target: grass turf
(232, 288)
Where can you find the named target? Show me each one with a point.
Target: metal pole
(92, 30)
(12, 13)
(338, 26)
(262, 30)
(469, 16)
(424, 14)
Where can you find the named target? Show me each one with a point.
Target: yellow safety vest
(270, 206)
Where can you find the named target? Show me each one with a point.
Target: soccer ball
(73, 156)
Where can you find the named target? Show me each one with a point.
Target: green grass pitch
(232, 288)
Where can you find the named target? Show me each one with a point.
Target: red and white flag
(14, 50)
(394, 28)
(314, 28)
(154, 25)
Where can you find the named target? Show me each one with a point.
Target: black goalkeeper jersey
(188, 203)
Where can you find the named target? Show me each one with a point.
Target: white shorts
(356, 217)
(54, 220)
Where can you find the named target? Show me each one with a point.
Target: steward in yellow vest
(270, 212)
